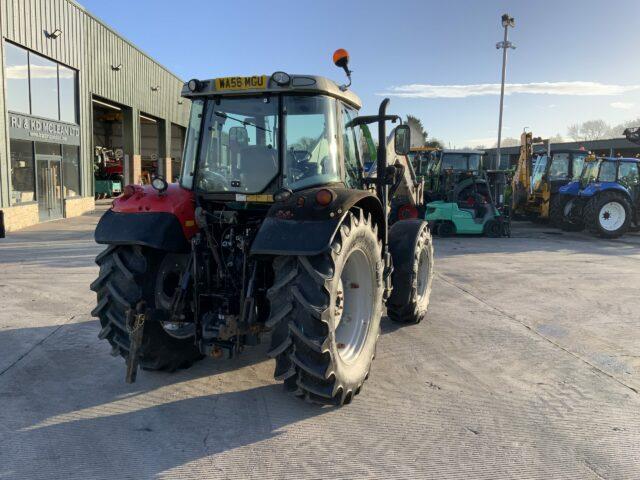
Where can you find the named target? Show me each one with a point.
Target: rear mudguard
(164, 221)
(299, 226)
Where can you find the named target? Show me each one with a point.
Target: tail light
(324, 197)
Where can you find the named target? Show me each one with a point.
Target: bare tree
(617, 130)
(507, 142)
(573, 132)
(589, 130)
(595, 130)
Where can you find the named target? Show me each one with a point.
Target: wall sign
(26, 127)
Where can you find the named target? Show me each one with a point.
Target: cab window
(311, 141)
(559, 168)
(607, 172)
(628, 174)
(578, 163)
(366, 147)
(351, 164)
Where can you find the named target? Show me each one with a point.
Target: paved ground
(528, 367)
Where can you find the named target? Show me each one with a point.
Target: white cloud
(622, 105)
(418, 90)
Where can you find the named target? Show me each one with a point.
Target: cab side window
(559, 168)
(628, 174)
(351, 162)
(607, 172)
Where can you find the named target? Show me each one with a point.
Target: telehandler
(273, 229)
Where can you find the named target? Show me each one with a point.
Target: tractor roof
(260, 84)
(621, 159)
(539, 150)
(464, 151)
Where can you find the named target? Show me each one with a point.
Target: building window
(39, 86)
(71, 170)
(68, 108)
(22, 174)
(17, 74)
(43, 148)
(44, 87)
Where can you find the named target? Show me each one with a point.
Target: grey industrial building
(71, 84)
(611, 147)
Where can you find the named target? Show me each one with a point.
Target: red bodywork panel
(175, 200)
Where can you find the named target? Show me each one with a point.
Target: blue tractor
(605, 200)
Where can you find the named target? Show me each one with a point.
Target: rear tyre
(130, 274)
(412, 278)
(608, 214)
(325, 314)
(560, 214)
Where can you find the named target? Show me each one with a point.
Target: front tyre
(130, 274)
(325, 314)
(608, 214)
(411, 249)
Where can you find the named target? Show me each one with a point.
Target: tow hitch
(135, 327)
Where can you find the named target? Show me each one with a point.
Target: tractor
(539, 176)
(273, 231)
(606, 199)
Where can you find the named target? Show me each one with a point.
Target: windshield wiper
(239, 120)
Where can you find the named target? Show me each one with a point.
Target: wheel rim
(612, 216)
(423, 274)
(353, 306)
(567, 208)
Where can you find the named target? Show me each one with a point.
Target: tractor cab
(250, 137)
(447, 168)
(555, 169)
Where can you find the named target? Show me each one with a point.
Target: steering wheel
(301, 168)
(214, 181)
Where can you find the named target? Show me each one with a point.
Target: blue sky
(432, 50)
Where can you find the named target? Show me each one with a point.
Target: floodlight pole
(507, 22)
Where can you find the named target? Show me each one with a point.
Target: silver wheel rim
(423, 274)
(353, 306)
(567, 208)
(612, 216)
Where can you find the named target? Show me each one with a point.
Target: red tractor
(274, 229)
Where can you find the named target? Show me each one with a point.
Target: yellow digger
(539, 175)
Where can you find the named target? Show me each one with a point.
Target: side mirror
(402, 140)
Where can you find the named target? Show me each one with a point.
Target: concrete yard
(527, 367)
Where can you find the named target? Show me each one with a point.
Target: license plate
(256, 82)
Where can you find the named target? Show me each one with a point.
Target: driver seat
(258, 163)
